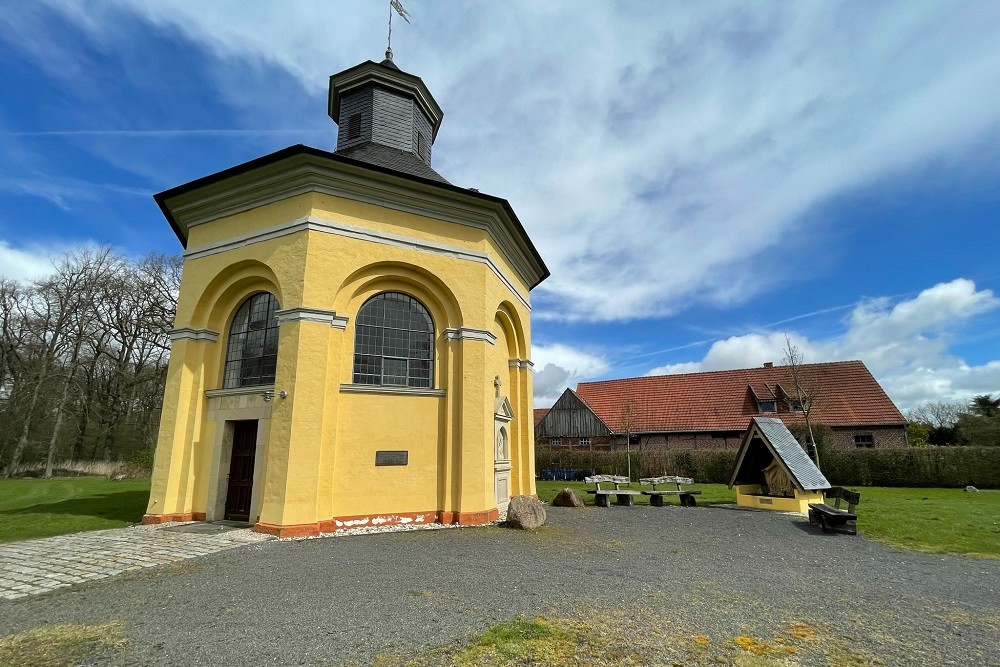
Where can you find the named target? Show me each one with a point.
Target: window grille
(865, 441)
(252, 346)
(394, 342)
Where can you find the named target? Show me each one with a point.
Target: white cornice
(187, 333)
(305, 173)
(304, 314)
(468, 333)
(312, 223)
(521, 363)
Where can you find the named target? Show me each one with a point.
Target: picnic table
(686, 496)
(602, 496)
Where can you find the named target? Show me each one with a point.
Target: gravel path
(711, 571)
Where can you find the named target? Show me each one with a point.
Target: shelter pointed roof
(768, 439)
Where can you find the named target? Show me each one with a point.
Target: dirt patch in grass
(59, 645)
(639, 636)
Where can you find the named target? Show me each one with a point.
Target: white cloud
(559, 366)
(906, 345)
(24, 263)
(655, 152)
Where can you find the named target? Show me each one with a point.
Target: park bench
(601, 496)
(686, 496)
(834, 518)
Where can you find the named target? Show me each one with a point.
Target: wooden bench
(833, 518)
(686, 496)
(601, 496)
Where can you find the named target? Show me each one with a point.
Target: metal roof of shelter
(784, 448)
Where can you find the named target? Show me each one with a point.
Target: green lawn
(930, 520)
(45, 507)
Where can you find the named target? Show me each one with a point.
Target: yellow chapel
(352, 340)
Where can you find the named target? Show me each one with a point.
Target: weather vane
(397, 6)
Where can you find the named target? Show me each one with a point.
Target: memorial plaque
(391, 458)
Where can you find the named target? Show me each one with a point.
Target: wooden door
(240, 488)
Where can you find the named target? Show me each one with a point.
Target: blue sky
(702, 179)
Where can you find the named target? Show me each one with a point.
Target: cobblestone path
(38, 566)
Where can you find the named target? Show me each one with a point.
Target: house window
(767, 406)
(394, 342)
(555, 442)
(797, 405)
(354, 126)
(864, 441)
(585, 442)
(252, 347)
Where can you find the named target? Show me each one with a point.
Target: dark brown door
(241, 471)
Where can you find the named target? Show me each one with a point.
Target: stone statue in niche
(501, 453)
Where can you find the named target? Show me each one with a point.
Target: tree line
(83, 358)
(975, 423)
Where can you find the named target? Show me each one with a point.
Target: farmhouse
(712, 409)
(352, 340)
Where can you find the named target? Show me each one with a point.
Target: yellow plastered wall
(322, 439)
(748, 495)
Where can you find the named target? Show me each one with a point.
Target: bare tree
(626, 424)
(86, 346)
(807, 393)
(939, 414)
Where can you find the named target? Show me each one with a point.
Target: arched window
(252, 351)
(394, 342)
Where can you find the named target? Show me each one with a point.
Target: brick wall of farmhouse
(882, 437)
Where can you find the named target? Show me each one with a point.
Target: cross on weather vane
(397, 6)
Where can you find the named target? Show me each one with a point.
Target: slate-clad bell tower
(386, 117)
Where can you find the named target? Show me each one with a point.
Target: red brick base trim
(290, 531)
(167, 518)
(470, 518)
(376, 520)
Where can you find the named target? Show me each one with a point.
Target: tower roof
(386, 74)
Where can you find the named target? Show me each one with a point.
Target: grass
(932, 520)
(945, 521)
(929, 520)
(59, 645)
(642, 634)
(32, 508)
(711, 494)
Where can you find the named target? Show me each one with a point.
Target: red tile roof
(540, 414)
(847, 395)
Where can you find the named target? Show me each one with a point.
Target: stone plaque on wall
(391, 458)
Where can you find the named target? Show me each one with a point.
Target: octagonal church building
(352, 340)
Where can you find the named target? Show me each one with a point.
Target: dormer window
(797, 405)
(767, 406)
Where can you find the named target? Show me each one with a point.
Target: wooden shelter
(772, 470)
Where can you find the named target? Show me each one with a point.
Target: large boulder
(525, 513)
(567, 498)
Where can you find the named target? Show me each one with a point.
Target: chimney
(768, 364)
